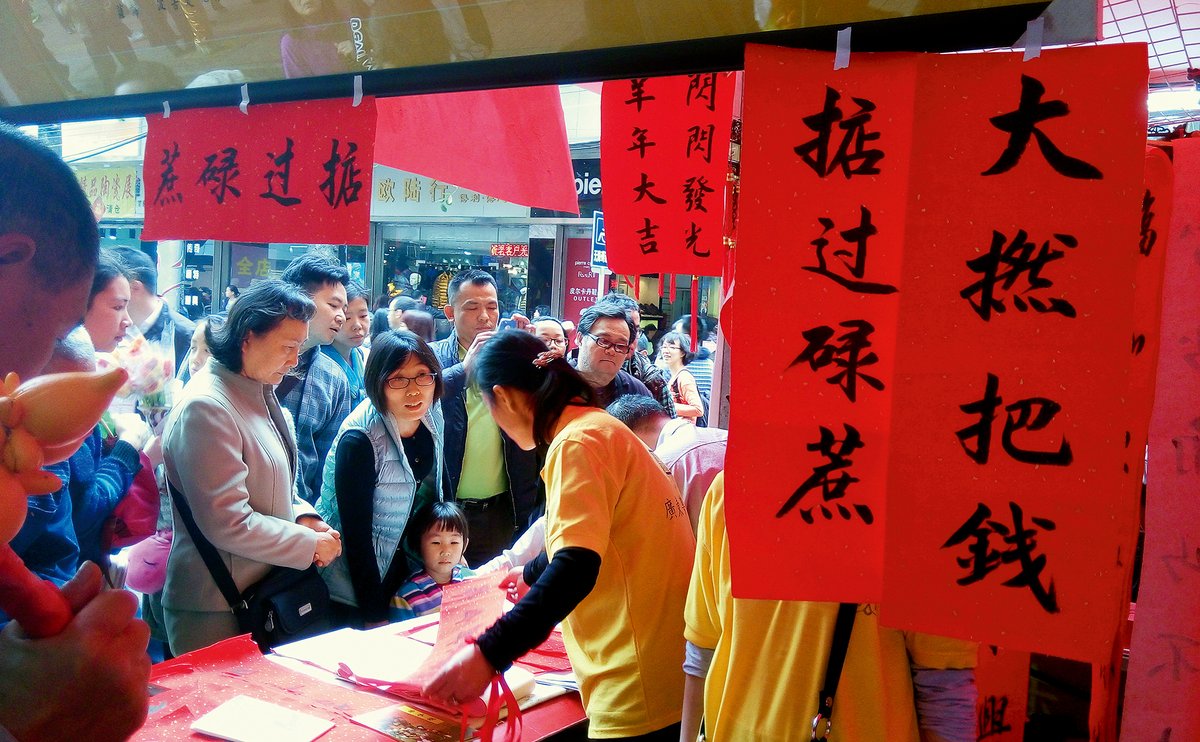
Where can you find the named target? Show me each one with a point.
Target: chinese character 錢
(983, 559)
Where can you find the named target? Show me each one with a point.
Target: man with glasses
(605, 331)
(657, 380)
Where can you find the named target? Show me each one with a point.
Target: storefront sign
(581, 285)
(509, 250)
(284, 172)
(114, 192)
(599, 243)
(398, 194)
(665, 151)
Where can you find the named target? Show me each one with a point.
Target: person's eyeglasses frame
(394, 382)
(608, 345)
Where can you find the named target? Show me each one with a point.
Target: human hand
(522, 322)
(514, 584)
(88, 682)
(465, 676)
(153, 451)
(329, 547)
(132, 429)
(475, 346)
(317, 524)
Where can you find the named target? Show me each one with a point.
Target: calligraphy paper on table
(510, 143)
(664, 150)
(1007, 509)
(1002, 682)
(824, 172)
(284, 172)
(1164, 662)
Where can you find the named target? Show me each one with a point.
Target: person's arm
(354, 479)
(691, 405)
(945, 702)
(696, 661)
(531, 544)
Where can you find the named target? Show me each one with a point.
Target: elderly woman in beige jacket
(230, 451)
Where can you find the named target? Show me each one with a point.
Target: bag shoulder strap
(833, 670)
(208, 552)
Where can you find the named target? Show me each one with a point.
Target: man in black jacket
(155, 317)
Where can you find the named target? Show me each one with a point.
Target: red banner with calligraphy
(284, 172)
(1007, 518)
(1002, 682)
(664, 151)
(824, 173)
(1164, 661)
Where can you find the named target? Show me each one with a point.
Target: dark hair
(108, 268)
(41, 198)
(403, 304)
(355, 290)
(472, 276)
(420, 323)
(681, 340)
(507, 360)
(139, 267)
(605, 309)
(312, 270)
(379, 323)
(635, 410)
(704, 324)
(548, 318)
(440, 514)
(236, 291)
(389, 351)
(259, 309)
(617, 299)
(542, 310)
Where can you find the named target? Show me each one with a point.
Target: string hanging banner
(664, 152)
(284, 172)
(1006, 496)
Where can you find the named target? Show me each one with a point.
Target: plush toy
(43, 421)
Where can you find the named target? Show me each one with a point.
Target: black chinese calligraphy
(831, 478)
(702, 89)
(852, 155)
(643, 191)
(220, 169)
(1180, 646)
(1187, 454)
(1030, 414)
(167, 178)
(283, 163)
(343, 178)
(1001, 266)
(853, 258)
(1019, 546)
(991, 721)
(637, 93)
(1149, 235)
(1188, 559)
(695, 191)
(700, 141)
(691, 241)
(1022, 124)
(846, 354)
(641, 142)
(647, 240)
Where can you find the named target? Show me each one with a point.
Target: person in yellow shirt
(755, 667)
(619, 550)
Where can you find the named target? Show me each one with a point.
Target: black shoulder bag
(833, 670)
(286, 605)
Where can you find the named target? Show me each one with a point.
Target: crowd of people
(565, 461)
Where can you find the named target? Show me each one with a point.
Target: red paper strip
(1002, 680)
(824, 171)
(664, 150)
(1164, 662)
(1005, 492)
(510, 143)
(286, 172)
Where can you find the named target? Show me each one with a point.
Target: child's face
(441, 550)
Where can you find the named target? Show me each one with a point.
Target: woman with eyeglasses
(388, 447)
(551, 332)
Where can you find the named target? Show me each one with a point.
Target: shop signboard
(115, 192)
(599, 243)
(581, 285)
(399, 195)
(509, 250)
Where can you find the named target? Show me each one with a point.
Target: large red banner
(824, 173)
(1164, 661)
(283, 172)
(664, 151)
(1008, 515)
(1002, 681)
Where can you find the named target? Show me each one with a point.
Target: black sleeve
(534, 569)
(567, 580)
(354, 482)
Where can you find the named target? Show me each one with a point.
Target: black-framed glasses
(618, 348)
(402, 382)
(553, 341)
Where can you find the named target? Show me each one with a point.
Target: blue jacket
(97, 482)
(523, 467)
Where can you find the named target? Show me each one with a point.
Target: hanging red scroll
(664, 151)
(1002, 680)
(1164, 661)
(1007, 518)
(284, 172)
(824, 173)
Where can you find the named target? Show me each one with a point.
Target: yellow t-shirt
(606, 492)
(769, 657)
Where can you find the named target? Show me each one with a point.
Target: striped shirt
(421, 595)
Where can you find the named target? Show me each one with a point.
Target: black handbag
(286, 605)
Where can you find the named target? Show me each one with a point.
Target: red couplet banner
(283, 172)
(1164, 661)
(824, 172)
(664, 151)
(1002, 680)
(1007, 516)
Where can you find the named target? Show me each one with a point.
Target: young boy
(440, 530)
